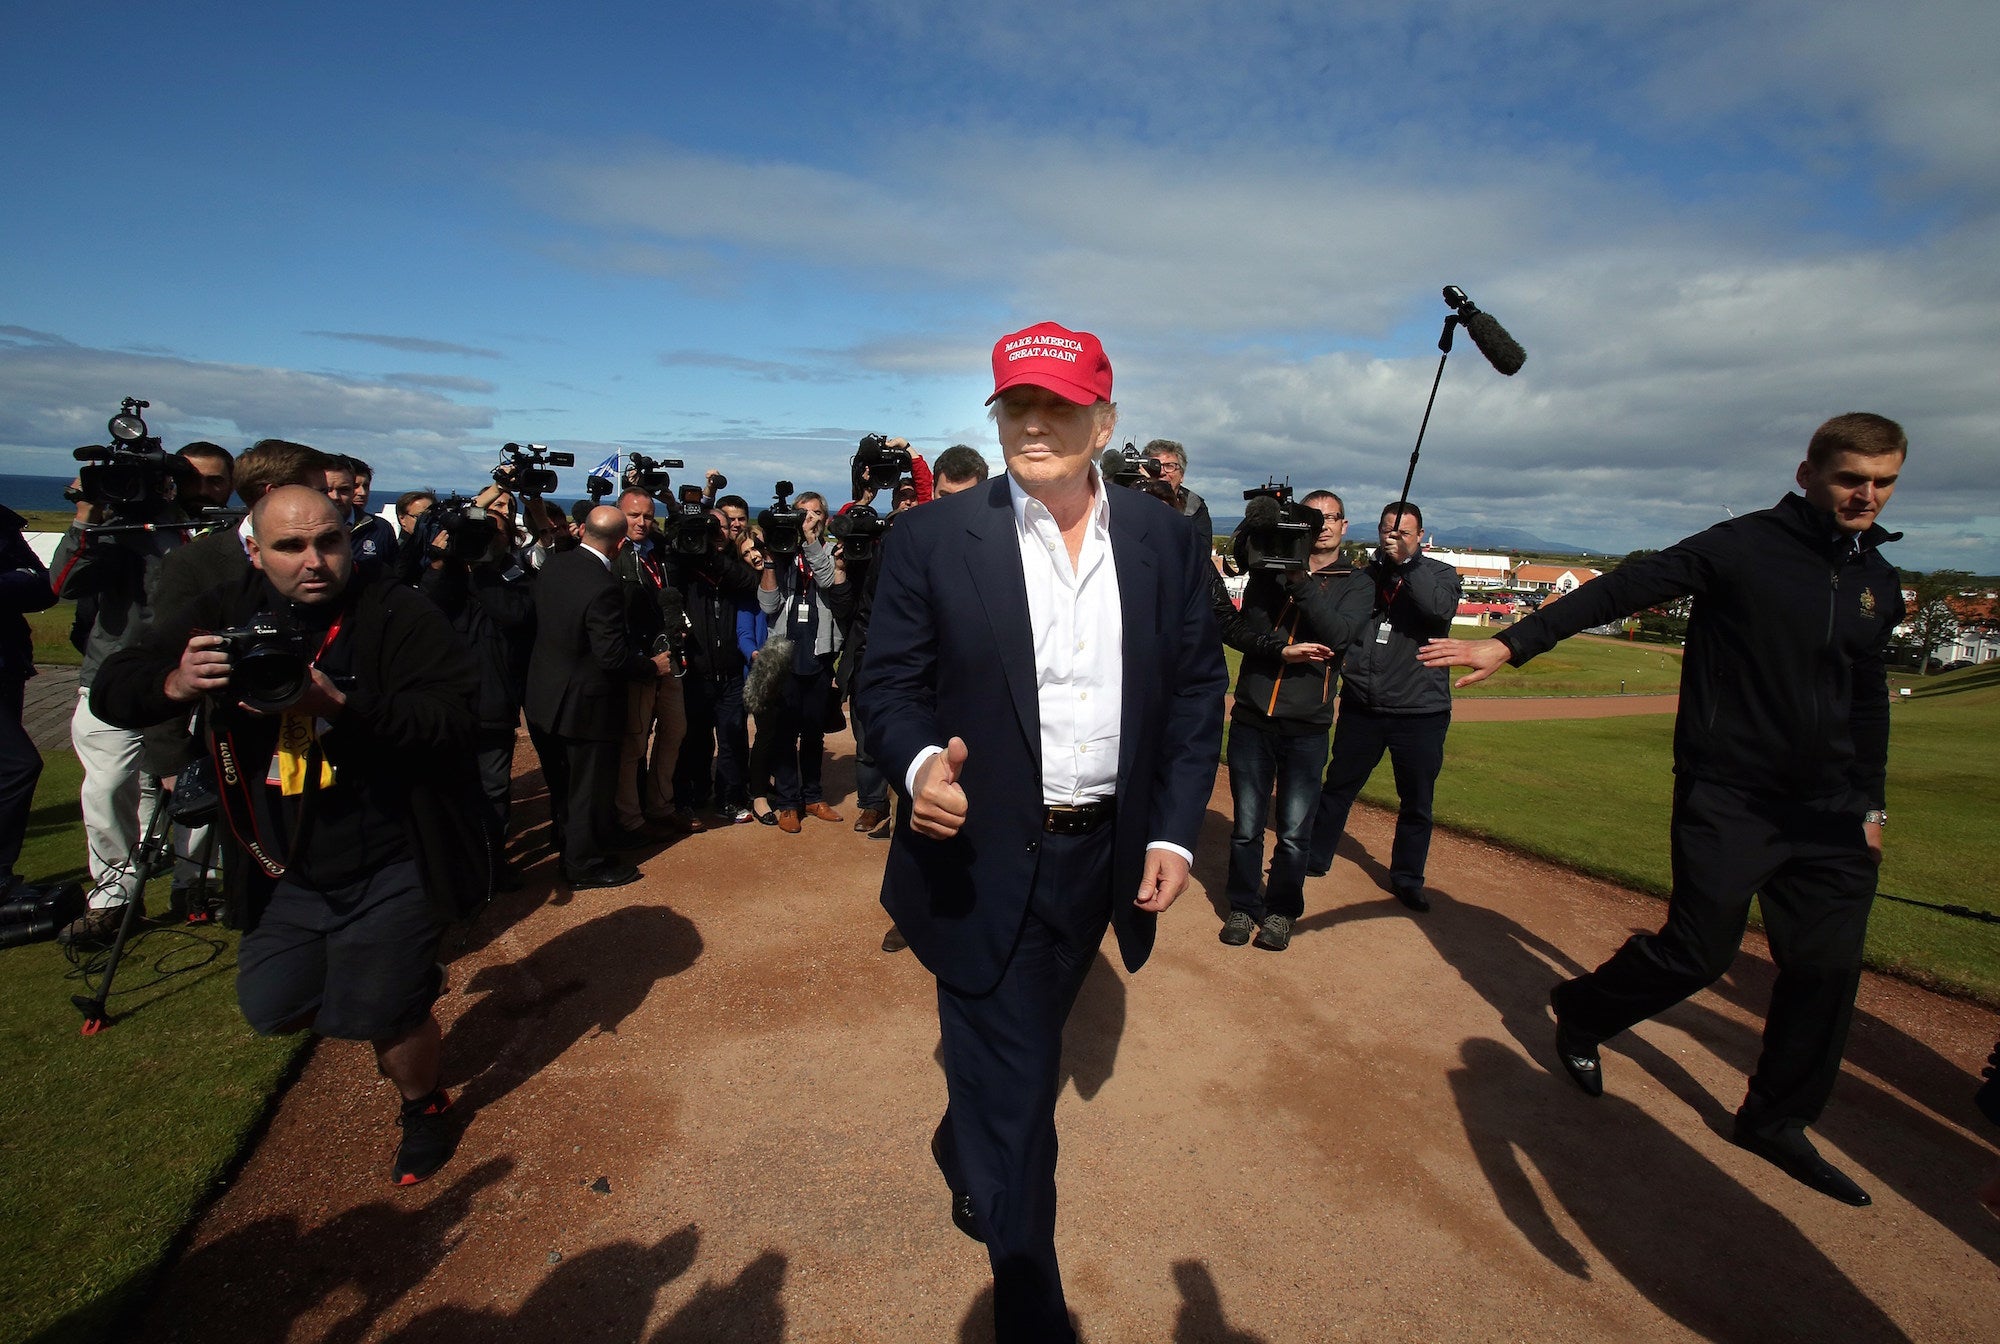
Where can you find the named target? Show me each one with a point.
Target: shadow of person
(1211, 861)
(1095, 1028)
(977, 1325)
(749, 1309)
(1200, 1319)
(1651, 1208)
(264, 1276)
(605, 1293)
(589, 977)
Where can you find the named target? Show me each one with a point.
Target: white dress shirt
(1079, 633)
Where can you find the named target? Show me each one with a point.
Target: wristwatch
(1876, 818)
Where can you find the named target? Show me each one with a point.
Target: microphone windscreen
(1262, 513)
(1502, 351)
(1112, 462)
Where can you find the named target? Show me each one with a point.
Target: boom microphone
(1502, 351)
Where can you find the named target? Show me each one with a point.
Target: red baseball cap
(1070, 364)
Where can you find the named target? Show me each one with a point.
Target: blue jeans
(1258, 759)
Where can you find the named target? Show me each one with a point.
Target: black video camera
(877, 466)
(37, 914)
(268, 667)
(469, 531)
(1277, 534)
(690, 528)
(783, 524)
(650, 474)
(1136, 470)
(526, 469)
(860, 529)
(132, 473)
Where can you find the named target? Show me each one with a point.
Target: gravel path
(700, 1109)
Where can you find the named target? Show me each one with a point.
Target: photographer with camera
(1389, 701)
(1278, 727)
(708, 570)
(340, 726)
(655, 711)
(1173, 470)
(127, 522)
(799, 594)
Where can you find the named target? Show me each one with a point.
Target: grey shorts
(357, 962)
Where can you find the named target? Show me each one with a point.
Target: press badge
(1382, 633)
(296, 734)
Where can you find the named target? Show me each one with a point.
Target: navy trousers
(1002, 1064)
(1415, 743)
(1809, 864)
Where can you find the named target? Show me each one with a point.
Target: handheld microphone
(1502, 351)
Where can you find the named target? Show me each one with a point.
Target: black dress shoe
(1317, 869)
(963, 1217)
(1578, 1054)
(1414, 898)
(605, 875)
(1794, 1155)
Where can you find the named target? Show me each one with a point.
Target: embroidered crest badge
(1867, 601)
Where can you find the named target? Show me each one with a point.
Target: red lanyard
(332, 633)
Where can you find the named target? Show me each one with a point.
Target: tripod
(154, 850)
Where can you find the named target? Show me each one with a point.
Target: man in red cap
(1044, 675)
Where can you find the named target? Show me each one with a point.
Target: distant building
(1554, 578)
(1477, 571)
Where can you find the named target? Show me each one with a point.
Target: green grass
(1594, 795)
(111, 1143)
(51, 634)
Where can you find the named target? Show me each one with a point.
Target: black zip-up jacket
(1325, 607)
(1412, 602)
(1783, 687)
(710, 587)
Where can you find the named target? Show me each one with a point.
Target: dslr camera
(526, 469)
(268, 667)
(1277, 533)
(783, 524)
(132, 472)
(877, 466)
(650, 474)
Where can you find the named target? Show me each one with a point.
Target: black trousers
(1415, 743)
(1002, 1066)
(1809, 865)
(582, 793)
(20, 768)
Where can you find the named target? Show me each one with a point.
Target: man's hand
(939, 808)
(1306, 653)
(1871, 835)
(713, 480)
(1483, 656)
(663, 664)
(1162, 881)
(321, 699)
(203, 667)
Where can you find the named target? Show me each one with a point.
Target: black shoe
(1275, 933)
(605, 875)
(1318, 869)
(893, 940)
(1578, 1053)
(1236, 930)
(1793, 1154)
(962, 1215)
(429, 1137)
(1414, 898)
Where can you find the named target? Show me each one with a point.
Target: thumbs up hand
(938, 809)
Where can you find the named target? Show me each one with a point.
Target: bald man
(584, 659)
(347, 785)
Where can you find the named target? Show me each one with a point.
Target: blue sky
(750, 234)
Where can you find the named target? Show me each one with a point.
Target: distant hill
(1488, 538)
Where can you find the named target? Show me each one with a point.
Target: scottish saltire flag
(607, 469)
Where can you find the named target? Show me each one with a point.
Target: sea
(21, 493)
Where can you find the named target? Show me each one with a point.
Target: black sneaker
(1236, 930)
(429, 1136)
(1275, 934)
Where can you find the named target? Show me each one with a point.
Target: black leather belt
(1078, 818)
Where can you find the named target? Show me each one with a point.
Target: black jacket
(584, 657)
(711, 587)
(1325, 607)
(406, 733)
(1783, 687)
(1413, 602)
(24, 587)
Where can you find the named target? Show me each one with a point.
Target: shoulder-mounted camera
(783, 524)
(1277, 533)
(525, 469)
(876, 465)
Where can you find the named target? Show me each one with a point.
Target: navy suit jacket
(950, 653)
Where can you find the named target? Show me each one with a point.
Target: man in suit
(1044, 676)
(583, 660)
